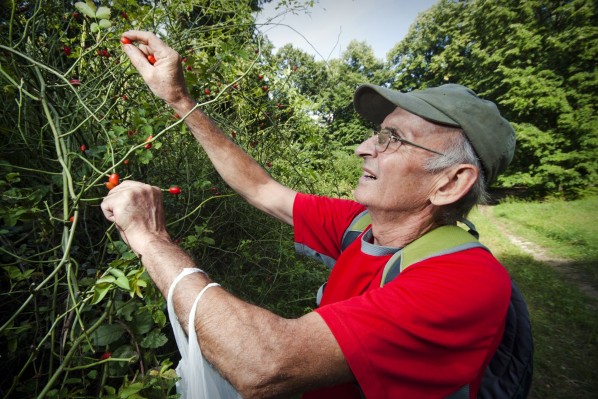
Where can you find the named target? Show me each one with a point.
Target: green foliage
(80, 317)
(536, 59)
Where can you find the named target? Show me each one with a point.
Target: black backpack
(509, 373)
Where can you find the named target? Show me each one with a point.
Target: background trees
(79, 317)
(536, 60)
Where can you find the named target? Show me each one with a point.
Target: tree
(534, 58)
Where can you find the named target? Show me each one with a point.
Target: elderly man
(427, 333)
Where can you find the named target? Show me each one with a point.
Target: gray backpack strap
(357, 226)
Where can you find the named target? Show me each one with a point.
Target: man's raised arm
(241, 172)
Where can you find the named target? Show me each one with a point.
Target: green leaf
(142, 322)
(116, 272)
(104, 23)
(103, 13)
(145, 157)
(88, 8)
(123, 282)
(131, 390)
(100, 291)
(107, 334)
(94, 27)
(159, 317)
(105, 279)
(154, 339)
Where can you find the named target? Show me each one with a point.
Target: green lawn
(565, 320)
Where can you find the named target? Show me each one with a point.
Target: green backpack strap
(357, 226)
(440, 241)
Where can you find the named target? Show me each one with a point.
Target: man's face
(395, 180)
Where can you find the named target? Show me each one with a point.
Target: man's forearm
(250, 346)
(233, 164)
(240, 171)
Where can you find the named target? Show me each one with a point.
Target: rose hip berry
(148, 145)
(125, 40)
(151, 59)
(114, 179)
(174, 190)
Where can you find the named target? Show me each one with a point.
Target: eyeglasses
(386, 135)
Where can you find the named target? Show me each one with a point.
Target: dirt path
(562, 265)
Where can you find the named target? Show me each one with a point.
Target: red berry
(83, 148)
(148, 145)
(235, 86)
(72, 219)
(75, 82)
(125, 40)
(125, 16)
(279, 105)
(265, 88)
(126, 161)
(114, 179)
(189, 67)
(174, 190)
(105, 356)
(294, 67)
(109, 185)
(151, 59)
(207, 92)
(233, 134)
(260, 77)
(67, 50)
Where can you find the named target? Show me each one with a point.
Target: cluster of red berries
(103, 53)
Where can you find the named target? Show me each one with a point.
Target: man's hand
(136, 209)
(165, 77)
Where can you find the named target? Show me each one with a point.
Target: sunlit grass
(565, 320)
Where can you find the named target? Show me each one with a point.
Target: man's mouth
(368, 175)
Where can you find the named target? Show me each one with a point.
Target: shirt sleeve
(319, 223)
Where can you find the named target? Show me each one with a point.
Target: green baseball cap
(491, 135)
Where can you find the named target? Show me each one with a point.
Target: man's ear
(454, 183)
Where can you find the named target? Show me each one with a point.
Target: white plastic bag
(198, 380)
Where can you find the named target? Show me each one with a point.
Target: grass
(564, 319)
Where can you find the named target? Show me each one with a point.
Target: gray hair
(458, 151)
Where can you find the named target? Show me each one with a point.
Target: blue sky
(332, 24)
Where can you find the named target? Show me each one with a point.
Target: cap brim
(375, 103)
